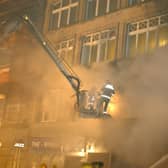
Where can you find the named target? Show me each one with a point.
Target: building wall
(119, 19)
(52, 130)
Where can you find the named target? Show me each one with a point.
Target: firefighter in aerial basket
(107, 92)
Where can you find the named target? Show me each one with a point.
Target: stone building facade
(38, 122)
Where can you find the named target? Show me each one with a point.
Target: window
(141, 43)
(99, 7)
(85, 55)
(163, 36)
(73, 15)
(132, 46)
(145, 36)
(102, 7)
(65, 51)
(91, 9)
(65, 2)
(103, 50)
(112, 5)
(54, 17)
(111, 49)
(98, 47)
(13, 112)
(134, 2)
(64, 17)
(2, 103)
(152, 41)
(93, 55)
(63, 13)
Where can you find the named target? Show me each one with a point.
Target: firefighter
(107, 92)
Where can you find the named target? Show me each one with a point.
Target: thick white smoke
(146, 93)
(142, 84)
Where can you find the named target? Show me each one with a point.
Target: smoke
(141, 128)
(146, 93)
(7, 27)
(141, 84)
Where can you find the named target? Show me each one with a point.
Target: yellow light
(90, 148)
(2, 96)
(162, 43)
(82, 152)
(112, 109)
(5, 70)
(113, 105)
(44, 43)
(26, 17)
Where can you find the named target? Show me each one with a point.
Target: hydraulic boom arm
(68, 73)
(89, 103)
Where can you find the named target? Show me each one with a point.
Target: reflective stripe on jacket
(105, 96)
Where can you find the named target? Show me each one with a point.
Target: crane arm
(88, 105)
(69, 74)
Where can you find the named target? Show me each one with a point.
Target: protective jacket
(107, 91)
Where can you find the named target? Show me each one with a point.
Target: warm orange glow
(113, 105)
(81, 153)
(162, 43)
(90, 148)
(2, 96)
(4, 75)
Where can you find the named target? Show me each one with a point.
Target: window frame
(96, 12)
(59, 12)
(88, 40)
(135, 29)
(70, 46)
(13, 109)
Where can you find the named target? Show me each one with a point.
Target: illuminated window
(132, 46)
(152, 41)
(147, 35)
(2, 103)
(65, 51)
(163, 36)
(63, 13)
(99, 7)
(111, 49)
(141, 43)
(98, 47)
